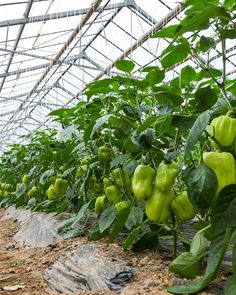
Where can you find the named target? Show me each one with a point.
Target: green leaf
(168, 32)
(199, 20)
(230, 286)
(82, 214)
(131, 237)
(216, 253)
(201, 186)
(232, 88)
(199, 242)
(228, 33)
(206, 43)
(66, 134)
(206, 98)
(147, 123)
(125, 66)
(187, 75)
(229, 3)
(174, 54)
(198, 127)
(144, 139)
(223, 214)
(135, 218)
(149, 240)
(166, 97)
(99, 122)
(107, 218)
(46, 175)
(155, 76)
(119, 223)
(186, 265)
(21, 190)
(119, 160)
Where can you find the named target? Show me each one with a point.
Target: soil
(22, 267)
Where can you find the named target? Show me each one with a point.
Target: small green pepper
(142, 182)
(99, 205)
(166, 174)
(51, 193)
(182, 207)
(113, 193)
(104, 153)
(60, 186)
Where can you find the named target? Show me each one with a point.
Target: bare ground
(23, 267)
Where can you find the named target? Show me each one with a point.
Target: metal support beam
(46, 17)
(73, 35)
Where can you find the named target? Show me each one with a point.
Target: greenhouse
(117, 147)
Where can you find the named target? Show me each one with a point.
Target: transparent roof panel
(43, 66)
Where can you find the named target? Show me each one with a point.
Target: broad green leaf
(21, 190)
(149, 240)
(147, 123)
(119, 223)
(99, 122)
(46, 175)
(155, 76)
(205, 97)
(206, 43)
(232, 88)
(166, 97)
(228, 33)
(135, 218)
(223, 214)
(199, 20)
(144, 139)
(107, 218)
(186, 265)
(168, 32)
(198, 127)
(230, 286)
(187, 75)
(229, 3)
(131, 237)
(119, 160)
(216, 253)
(199, 242)
(125, 66)
(183, 122)
(174, 54)
(82, 214)
(66, 134)
(201, 186)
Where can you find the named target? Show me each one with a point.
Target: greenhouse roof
(50, 50)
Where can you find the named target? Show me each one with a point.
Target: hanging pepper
(60, 186)
(223, 129)
(99, 205)
(113, 193)
(142, 182)
(158, 204)
(120, 205)
(182, 207)
(33, 192)
(26, 179)
(81, 170)
(121, 177)
(166, 174)
(223, 164)
(51, 193)
(104, 153)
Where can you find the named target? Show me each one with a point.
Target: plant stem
(175, 235)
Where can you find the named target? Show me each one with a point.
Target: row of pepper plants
(145, 154)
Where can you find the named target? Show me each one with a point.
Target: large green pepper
(223, 129)
(33, 192)
(121, 177)
(182, 207)
(51, 193)
(158, 204)
(99, 205)
(223, 164)
(26, 179)
(60, 186)
(142, 182)
(113, 193)
(106, 182)
(81, 170)
(166, 174)
(121, 205)
(104, 153)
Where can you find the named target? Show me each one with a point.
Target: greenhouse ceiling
(50, 50)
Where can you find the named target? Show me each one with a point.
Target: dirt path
(23, 267)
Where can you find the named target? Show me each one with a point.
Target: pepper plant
(146, 154)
